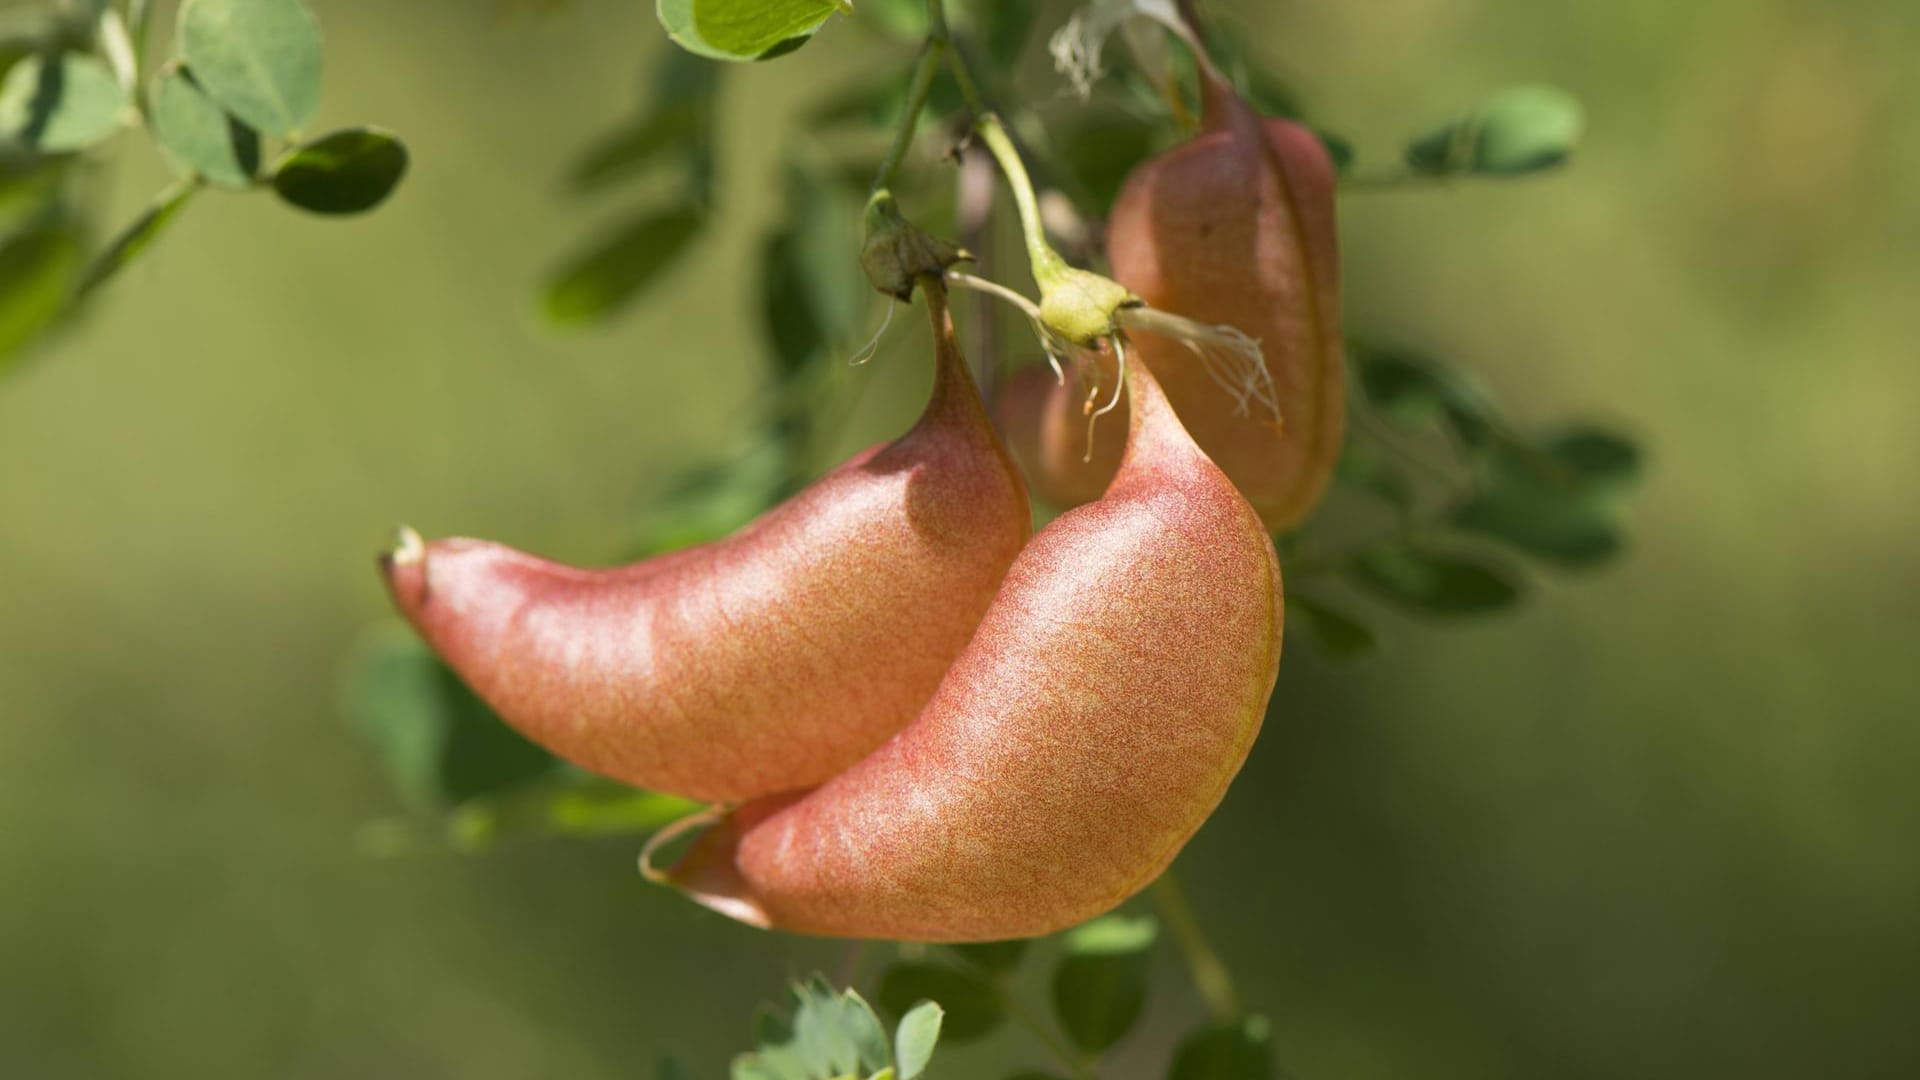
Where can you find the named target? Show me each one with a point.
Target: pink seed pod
(1109, 696)
(1044, 420)
(1235, 227)
(767, 661)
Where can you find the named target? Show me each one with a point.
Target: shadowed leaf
(1341, 635)
(1100, 986)
(1539, 523)
(626, 152)
(39, 268)
(971, 1003)
(598, 282)
(1600, 459)
(197, 136)
(1241, 1050)
(441, 744)
(678, 123)
(60, 104)
(347, 172)
(1436, 584)
(711, 502)
(1415, 389)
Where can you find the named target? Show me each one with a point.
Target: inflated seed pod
(767, 661)
(1044, 419)
(1109, 696)
(1235, 227)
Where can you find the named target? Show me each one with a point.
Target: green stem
(1394, 180)
(924, 70)
(139, 14)
(962, 75)
(851, 957)
(135, 238)
(1079, 1066)
(1209, 974)
(1047, 263)
(1048, 266)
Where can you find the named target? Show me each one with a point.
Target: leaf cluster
(1097, 989)
(227, 110)
(833, 1035)
(1472, 504)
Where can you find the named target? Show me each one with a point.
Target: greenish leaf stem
(1210, 975)
(135, 237)
(924, 69)
(1048, 266)
(1079, 1066)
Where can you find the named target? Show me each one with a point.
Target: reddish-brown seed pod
(1109, 696)
(1045, 423)
(764, 662)
(1237, 227)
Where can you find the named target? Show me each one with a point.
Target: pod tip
(706, 873)
(408, 549)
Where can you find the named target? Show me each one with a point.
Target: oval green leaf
(712, 501)
(1602, 460)
(915, 1038)
(1540, 508)
(679, 124)
(872, 1050)
(1241, 1050)
(1548, 500)
(56, 105)
(600, 281)
(1519, 130)
(744, 29)
(1436, 584)
(793, 328)
(1562, 531)
(260, 59)
(197, 136)
(972, 1005)
(1341, 635)
(347, 172)
(1100, 986)
(667, 130)
(1527, 128)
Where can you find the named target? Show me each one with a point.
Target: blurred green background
(1661, 823)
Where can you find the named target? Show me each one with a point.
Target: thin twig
(1210, 976)
(1078, 1065)
(924, 68)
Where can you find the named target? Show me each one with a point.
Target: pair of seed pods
(916, 722)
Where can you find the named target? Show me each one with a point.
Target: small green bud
(897, 252)
(1081, 306)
